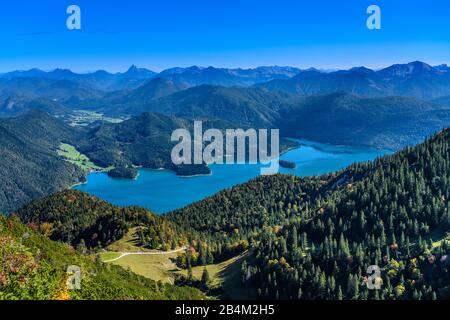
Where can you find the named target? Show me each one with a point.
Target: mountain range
(135, 89)
(348, 119)
(416, 79)
(134, 76)
(443, 100)
(245, 107)
(383, 122)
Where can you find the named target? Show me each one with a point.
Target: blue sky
(158, 34)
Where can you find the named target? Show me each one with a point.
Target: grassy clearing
(105, 256)
(155, 267)
(214, 271)
(73, 156)
(227, 276)
(129, 243)
(438, 237)
(83, 118)
(438, 243)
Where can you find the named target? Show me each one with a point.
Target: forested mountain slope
(15, 106)
(28, 89)
(391, 122)
(415, 79)
(195, 76)
(32, 267)
(243, 107)
(388, 122)
(85, 221)
(119, 102)
(391, 213)
(140, 141)
(315, 238)
(30, 166)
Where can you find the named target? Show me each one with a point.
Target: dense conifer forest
(315, 238)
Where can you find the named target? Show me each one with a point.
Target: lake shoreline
(162, 190)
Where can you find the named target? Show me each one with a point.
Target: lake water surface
(163, 191)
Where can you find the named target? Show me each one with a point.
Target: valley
(86, 118)
(284, 229)
(72, 155)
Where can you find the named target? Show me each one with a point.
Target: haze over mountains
(132, 90)
(443, 100)
(348, 119)
(399, 79)
(191, 76)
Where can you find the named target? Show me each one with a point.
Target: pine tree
(339, 294)
(205, 277)
(445, 219)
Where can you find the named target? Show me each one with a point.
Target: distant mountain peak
(443, 68)
(101, 72)
(405, 70)
(197, 68)
(362, 69)
(312, 69)
(60, 70)
(136, 71)
(132, 69)
(420, 65)
(311, 72)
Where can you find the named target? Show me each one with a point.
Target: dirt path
(124, 254)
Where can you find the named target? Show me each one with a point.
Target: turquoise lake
(162, 191)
